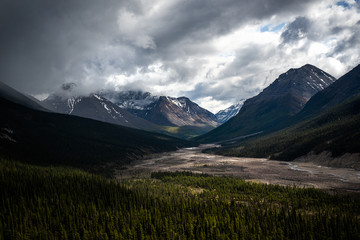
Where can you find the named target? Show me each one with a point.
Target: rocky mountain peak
(302, 83)
(225, 114)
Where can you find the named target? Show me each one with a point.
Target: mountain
(170, 111)
(224, 115)
(163, 110)
(343, 89)
(330, 138)
(268, 111)
(325, 132)
(7, 92)
(98, 108)
(130, 100)
(58, 139)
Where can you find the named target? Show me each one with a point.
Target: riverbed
(261, 170)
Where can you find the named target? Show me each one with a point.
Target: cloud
(68, 86)
(296, 30)
(210, 51)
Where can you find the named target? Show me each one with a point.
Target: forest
(64, 203)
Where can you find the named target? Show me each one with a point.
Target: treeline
(59, 203)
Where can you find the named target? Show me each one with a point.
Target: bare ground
(302, 174)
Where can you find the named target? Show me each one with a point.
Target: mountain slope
(7, 92)
(343, 89)
(224, 115)
(97, 108)
(169, 111)
(130, 100)
(334, 135)
(163, 110)
(51, 138)
(267, 111)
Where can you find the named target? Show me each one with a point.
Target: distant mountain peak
(162, 110)
(130, 99)
(301, 82)
(96, 107)
(344, 88)
(225, 114)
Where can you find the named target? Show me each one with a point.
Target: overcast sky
(214, 52)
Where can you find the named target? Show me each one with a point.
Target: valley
(259, 170)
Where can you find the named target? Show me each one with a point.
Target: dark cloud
(46, 43)
(349, 42)
(68, 86)
(296, 30)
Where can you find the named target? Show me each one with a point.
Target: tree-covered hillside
(58, 203)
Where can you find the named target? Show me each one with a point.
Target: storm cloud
(215, 52)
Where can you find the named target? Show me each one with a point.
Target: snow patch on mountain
(130, 99)
(224, 115)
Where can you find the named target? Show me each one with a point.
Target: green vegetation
(186, 132)
(336, 130)
(59, 203)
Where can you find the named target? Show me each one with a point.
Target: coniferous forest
(62, 203)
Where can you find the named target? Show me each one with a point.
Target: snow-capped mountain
(135, 100)
(98, 108)
(170, 111)
(226, 114)
(163, 110)
(343, 89)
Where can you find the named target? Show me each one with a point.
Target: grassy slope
(336, 130)
(60, 203)
(186, 132)
(49, 138)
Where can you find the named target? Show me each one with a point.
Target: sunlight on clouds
(211, 104)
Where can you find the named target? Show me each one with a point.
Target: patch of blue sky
(272, 28)
(345, 4)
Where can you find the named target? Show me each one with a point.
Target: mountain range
(270, 109)
(174, 116)
(163, 110)
(98, 108)
(43, 137)
(304, 112)
(326, 131)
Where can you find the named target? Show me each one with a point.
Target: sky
(214, 52)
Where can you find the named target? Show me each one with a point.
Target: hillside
(333, 133)
(343, 89)
(11, 94)
(269, 110)
(58, 139)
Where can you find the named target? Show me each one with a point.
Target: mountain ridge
(97, 108)
(271, 108)
(49, 138)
